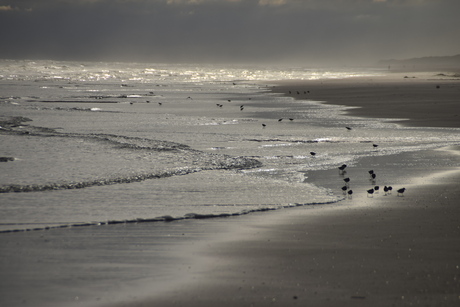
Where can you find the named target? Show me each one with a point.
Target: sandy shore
(366, 251)
(423, 99)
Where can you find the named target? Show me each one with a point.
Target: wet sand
(422, 100)
(385, 250)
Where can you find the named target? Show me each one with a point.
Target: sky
(307, 32)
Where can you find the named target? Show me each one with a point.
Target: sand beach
(384, 250)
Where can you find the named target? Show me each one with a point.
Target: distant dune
(424, 62)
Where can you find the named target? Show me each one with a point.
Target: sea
(112, 173)
(93, 143)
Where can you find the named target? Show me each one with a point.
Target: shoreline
(423, 100)
(369, 251)
(384, 250)
(381, 251)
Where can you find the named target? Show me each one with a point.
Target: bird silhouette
(370, 192)
(350, 193)
(401, 192)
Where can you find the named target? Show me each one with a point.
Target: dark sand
(380, 251)
(426, 99)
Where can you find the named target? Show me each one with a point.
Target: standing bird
(263, 125)
(280, 119)
(348, 128)
(312, 153)
(342, 169)
(385, 189)
(344, 189)
(370, 192)
(373, 178)
(291, 119)
(390, 188)
(401, 191)
(350, 193)
(347, 181)
(375, 145)
(376, 189)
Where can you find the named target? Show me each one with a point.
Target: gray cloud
(316, 31)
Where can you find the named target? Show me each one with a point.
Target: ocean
(101, 143)
(98, 158)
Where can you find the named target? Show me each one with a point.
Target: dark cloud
(229, 30)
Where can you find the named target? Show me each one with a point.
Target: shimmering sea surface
(92, 143)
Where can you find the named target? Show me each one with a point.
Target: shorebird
(350, 193)
(348, 128)
(291, 119)
(401, 191)
(376, 189)
(385, 189)
(312, 153)
(160, 103)
(280, 119)
(375, 145)
(342, 169)
(370, 192)
(263, 125)
(347, 181)
(344, 189)
(390, 188)
(373, 176)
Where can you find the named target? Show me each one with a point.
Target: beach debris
(6, 159)
(401, 191)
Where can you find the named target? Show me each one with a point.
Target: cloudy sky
(275, 31)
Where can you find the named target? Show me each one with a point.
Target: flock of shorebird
(370, 192)
(346, 188)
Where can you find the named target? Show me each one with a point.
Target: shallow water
(99, 142)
